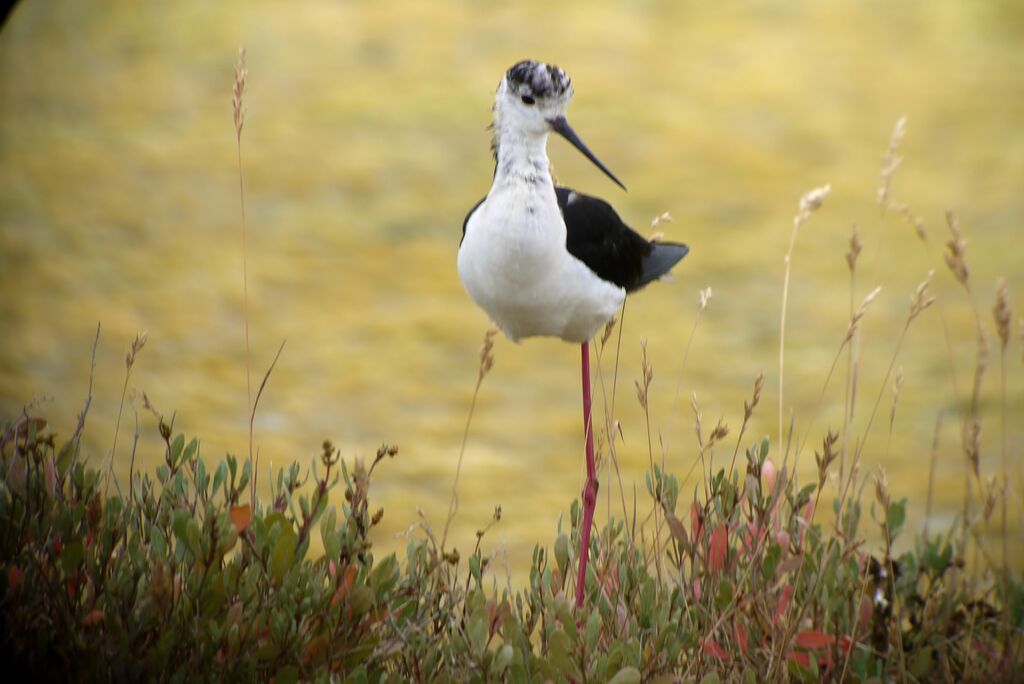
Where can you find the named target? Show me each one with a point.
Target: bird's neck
(520, 157)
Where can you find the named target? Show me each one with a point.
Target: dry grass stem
(263, 383)
(897, 385)
(849, 394)
(890, 162)
(647, 374)
(851, 328)
(612, 426)
(826, 457)
(991, 497)
(76, 438)
(882, 489)
(852, 353)
(809, 203)
(1003, 316)
(914, 220)
(129, 362)
(238, 115)
(252, 420)
(919, 302)
(238, 93)
(720, 432)
(704, 299)
(956, 258)
(135, 448)
(748, 413)
(704, 447)
(1001, 313)
(136, 346)
(697, 426)
(642, 394)
(486, 364)
(486, 354)
(664, 217)
(855, 249)
(972, 446)
(921, 299)
(657, 235)
(607, 333)
(748, 407)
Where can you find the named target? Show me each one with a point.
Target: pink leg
(590, 489)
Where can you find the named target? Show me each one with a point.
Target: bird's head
(532, 95)
(532, 100)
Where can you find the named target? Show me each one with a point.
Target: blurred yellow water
(364, 146)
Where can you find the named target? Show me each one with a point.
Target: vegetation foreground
(188, 577)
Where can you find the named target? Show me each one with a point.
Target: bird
(544, 260)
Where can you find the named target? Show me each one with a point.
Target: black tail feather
(663, 256)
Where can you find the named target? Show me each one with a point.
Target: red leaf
(753, 535)
(241, 516)
(719, 546)
(801, 658)
(813, 639)
(345, 584)
(713, 649)
(808, 512)
(495, 617)
(845, 644)
(14, 578)
(741, 637)
(787, 594)
(50, 477)
(94, 618)
(866, 611)
(314, 650)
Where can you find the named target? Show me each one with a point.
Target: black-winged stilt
(548, 261)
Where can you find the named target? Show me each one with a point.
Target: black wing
(615, 252)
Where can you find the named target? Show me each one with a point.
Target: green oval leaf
(627, 675)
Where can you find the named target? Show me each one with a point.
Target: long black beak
(561, 126)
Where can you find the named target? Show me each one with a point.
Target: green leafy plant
(179, 580)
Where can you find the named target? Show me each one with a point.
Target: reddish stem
(590, 489)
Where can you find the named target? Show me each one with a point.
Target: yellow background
(365, 144)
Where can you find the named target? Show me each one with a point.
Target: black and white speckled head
(538, 81)
(531, 103)
(530, 95)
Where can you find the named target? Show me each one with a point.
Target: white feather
(513, 260)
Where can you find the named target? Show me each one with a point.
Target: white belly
(514, 265)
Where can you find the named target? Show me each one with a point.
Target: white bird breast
(514, 264)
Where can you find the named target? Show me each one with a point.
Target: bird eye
(528, 100)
